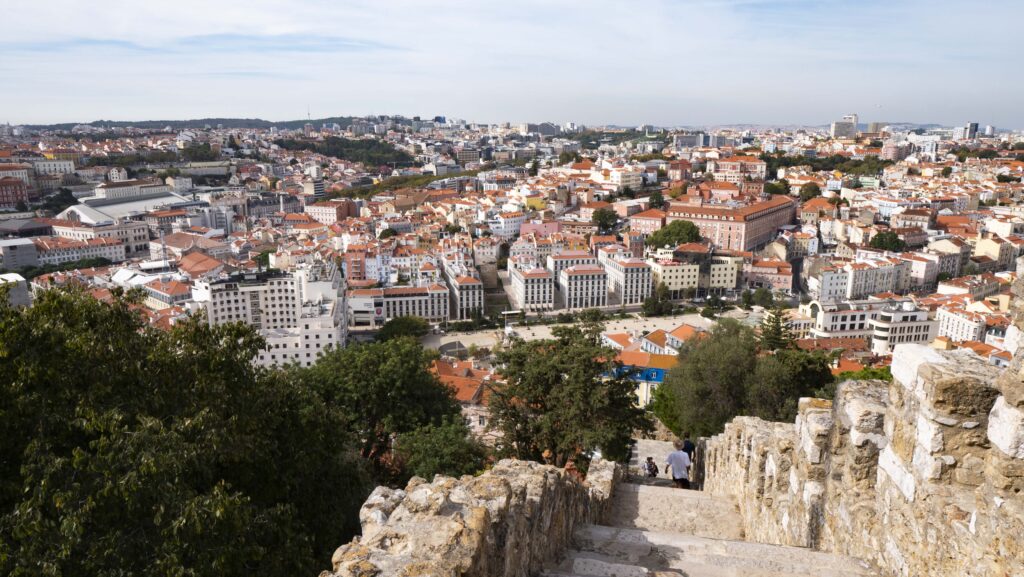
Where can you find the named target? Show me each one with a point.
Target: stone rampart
(922, 476)
(505, 523)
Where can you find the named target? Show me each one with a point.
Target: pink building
(648, 221)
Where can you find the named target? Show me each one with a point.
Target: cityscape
(493, 302)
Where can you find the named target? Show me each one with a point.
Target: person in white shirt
(679, 461)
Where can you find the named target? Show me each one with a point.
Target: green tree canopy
(656, 200)
(706, 388)
(406, 326)
(564, 398)
(444, 449)
(130, 451)
(658, 303)
(722, 376)
(387, 233)
(809, 190)
(605, 219)
(775, 332)
(778, 187)
(674, 234)
(887, 240)
(386, 389)
(773, 391)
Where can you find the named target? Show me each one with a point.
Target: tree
(386, 389)
(387, 233)
(674, 234)
(809, 190)
(706, 387)
(722, 376)
(20, 206)
(775, 332)
(444, 449)
(605, 219)
(453, 229)
(947, 171)
(405, 326)
(659, 303)
(780, 379)
(125, 450)
(747, 299)
(762, 297)
(534, 167)
(564, 398)
(887, 240)
(778, 187)
(656, 200)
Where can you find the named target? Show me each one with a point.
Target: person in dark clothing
(688, 446)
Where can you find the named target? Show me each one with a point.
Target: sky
(594, 62)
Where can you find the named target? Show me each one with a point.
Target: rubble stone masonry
(506, 522)
(922, 476)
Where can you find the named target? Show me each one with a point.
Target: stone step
(657, 508)
(697, 556)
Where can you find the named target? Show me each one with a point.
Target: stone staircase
(655, 530)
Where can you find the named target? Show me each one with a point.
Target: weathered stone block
(1006, 429)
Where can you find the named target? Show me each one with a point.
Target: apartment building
(300, 314)
(901, 323)
(959, 324)
(53, 166)
(565, 259)
(630, 280)
(13, 191)
(467, 297)
(845, 319)
(583, 286)
(331, 211)
(737, 169)
(647, 222)
(736, 226)
(374, 307)
(57, 250)
(506, 225)
(533, 287)
(679, 277)
(134, 234)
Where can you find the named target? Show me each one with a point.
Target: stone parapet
(922, 476)
(507, 522)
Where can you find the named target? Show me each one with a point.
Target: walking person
(679, 462)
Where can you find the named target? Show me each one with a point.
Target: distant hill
(343, 121)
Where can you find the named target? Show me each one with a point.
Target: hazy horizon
(658, 62)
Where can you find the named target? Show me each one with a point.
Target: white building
(533, 288)
(134, 234)
(374, 307)
(18, 294)
(57, 250)
(630, 280)
(301, 314)
(52, 166)
(845, 319)
(960, 325)
(583, 286)
(899, 324)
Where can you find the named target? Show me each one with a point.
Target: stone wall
(505, 523)
(922, 476)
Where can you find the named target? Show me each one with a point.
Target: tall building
(845, 128)
(900, 323)
(300, 314)
(583, 286)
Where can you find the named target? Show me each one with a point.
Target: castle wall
(922, 476)
(507, 522)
